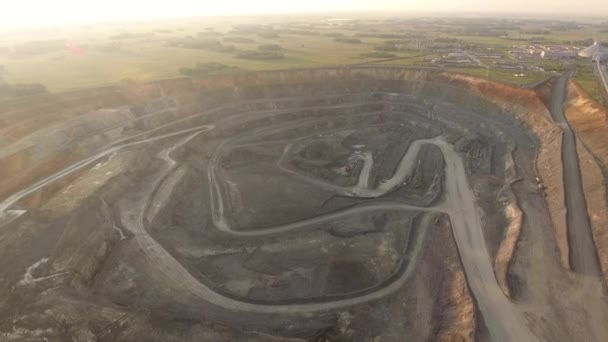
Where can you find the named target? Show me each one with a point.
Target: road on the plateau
(583, 255)
(504, 322)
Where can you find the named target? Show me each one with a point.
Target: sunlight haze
(43, 12)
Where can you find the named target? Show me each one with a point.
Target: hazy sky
(28, 12)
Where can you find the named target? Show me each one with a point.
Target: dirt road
(504, 322)
(405, 168)
(583, 255)
(175, 274)
(11, 200)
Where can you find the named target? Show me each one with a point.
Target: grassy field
(145, 61)
(586, 78)
(502, 76)
(142, 52)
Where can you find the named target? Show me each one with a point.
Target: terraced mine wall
(43, 134)
(289, 202)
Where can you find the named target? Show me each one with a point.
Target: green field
(502, 76)
(587, 80)
(141, 52)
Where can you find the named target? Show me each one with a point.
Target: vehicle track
(583, 254)
(504, 322)
(175, 274)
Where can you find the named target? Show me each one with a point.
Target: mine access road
(583, 254)
(504, 321)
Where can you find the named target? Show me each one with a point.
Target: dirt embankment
(589, 121)
(455, 306)
(550, 169)
(508, 96)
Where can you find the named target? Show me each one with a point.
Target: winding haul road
(11, 200)
(504, 321)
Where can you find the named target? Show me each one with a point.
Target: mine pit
(281, 203)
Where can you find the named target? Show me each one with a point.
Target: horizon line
(557, 15)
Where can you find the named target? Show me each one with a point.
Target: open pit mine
(369, 203)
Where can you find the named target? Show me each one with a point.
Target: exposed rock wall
(35, 140)
(45, 134)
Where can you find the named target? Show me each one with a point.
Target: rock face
(286, 205)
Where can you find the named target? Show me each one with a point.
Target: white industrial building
(595, 51)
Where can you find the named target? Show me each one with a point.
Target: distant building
(595, 49)
(596, 52)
